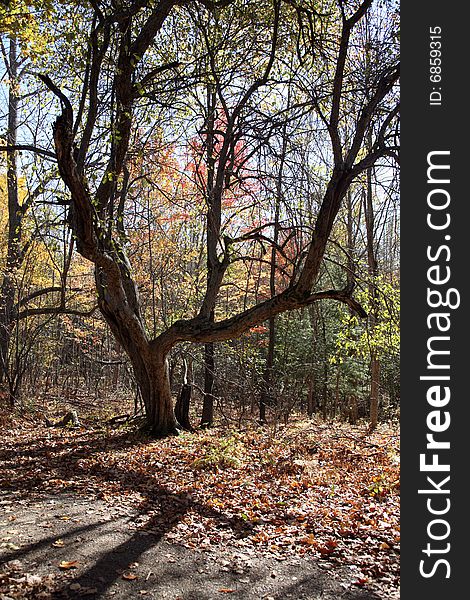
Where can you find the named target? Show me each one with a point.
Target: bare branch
(54, 310)
(29, 148)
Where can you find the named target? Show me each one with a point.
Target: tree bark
(373, 316)
(183, 401)
(182, 407)
(152, 377)
(13, 259)
(266, 396)
(374, 391)
(207, 418)
(310, 397)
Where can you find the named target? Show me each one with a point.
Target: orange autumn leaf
(68, 564)
(129, 576)
(310, 540)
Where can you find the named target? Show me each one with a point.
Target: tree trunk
(184, 400)
(182, 407)
(374, 391)
(262, 407)
(13, 259)
(310, 398)
(152, 377)
(207, 418)
(213, 199)
(267, 396)
(373, 270)
(353, 410)
(373, 317)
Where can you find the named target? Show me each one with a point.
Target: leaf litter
(329, 491)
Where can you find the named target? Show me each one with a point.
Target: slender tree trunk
(266, 395)
(336, 403)
(310, 397)
(207, 417)
(351, 241)
(213, 229)
(374, 390)
(7, 298)
(373, 272)
(325, 370)
(268, 376)
(372, 263)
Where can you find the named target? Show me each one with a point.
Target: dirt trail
(112, 557)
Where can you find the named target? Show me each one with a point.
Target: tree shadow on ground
(57, 460)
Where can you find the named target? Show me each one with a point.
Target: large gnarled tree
(127, 34)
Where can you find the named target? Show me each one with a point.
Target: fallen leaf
(129, 576)
(12, 546)
(226, 590)
(384, 546)
(68, 564)
(325, 551)
(309, 540)
(58, 544)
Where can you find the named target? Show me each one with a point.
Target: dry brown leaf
(384, 546)
(310, 540)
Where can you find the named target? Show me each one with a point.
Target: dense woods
(199, 216)
(201, 194)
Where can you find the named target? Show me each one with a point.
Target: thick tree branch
(205, 330)
(54, 310)
(49, 290)
(384, 87)
(338, 80)
(29, 148)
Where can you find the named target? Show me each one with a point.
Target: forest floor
(306, 511)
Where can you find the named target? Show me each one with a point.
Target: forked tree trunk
(152, 377)
(96, 221)
(118, 300)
